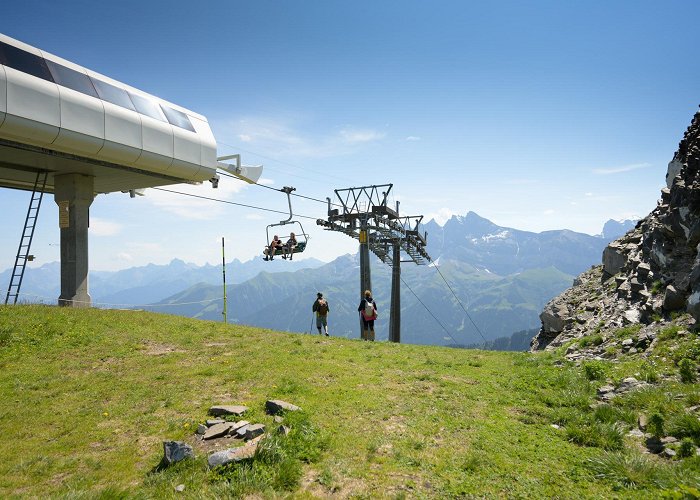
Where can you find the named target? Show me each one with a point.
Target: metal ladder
(27, 235)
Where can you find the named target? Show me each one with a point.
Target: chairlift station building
(70, 131)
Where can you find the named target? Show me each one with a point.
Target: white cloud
(441, 216)
(103, 227)
(280, 138)
(619, 170)
(548, 212)
(265, 181)
(125, 257)
(354, 136)
(588, 194)
(412, 138)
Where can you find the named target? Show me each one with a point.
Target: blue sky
(535, 115)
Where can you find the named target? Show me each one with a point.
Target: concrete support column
(74, 194)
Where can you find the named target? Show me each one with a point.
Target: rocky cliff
(648, 277)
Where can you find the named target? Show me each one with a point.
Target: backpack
(322, 307)
(369, 309)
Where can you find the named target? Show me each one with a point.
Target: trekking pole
(312, 323)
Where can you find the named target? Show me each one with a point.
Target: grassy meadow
(88, 396)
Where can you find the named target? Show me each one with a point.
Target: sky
(536, 115)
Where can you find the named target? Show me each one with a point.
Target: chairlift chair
(301, 236)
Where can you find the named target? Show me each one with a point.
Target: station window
(177, 118)
(110, 93)
(72, 79)
(147, 107)
(23, 61)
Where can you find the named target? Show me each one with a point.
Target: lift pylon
(366, 217)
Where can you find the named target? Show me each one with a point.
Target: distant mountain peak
(613, 229)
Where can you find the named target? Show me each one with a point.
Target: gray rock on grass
(247, 451)
(220, 410)
(275, 406)
(175, 451)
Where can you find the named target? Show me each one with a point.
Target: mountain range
(499, 279)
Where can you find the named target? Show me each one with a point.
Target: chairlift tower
(381, 230)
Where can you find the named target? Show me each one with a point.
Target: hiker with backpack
(321, 309)
(368, 312)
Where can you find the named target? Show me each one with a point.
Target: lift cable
(425, 306)
(429, 311)
(460, 302)
(231, 202)
(275, 189)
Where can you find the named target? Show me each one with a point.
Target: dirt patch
(395, 424)
(156, 349)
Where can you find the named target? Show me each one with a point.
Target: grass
(88, 396)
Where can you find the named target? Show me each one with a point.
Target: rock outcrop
(646, 275)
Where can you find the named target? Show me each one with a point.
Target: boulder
(253, 431)
(275, 406)
(673, 300)
(228, 410)
(613, 260)
(642, 422)
(175, 451)
(632, 316)
(693, 306)
(233, 431)
(245, 452)
(217, 430)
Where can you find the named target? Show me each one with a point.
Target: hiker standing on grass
(368, 311)
(321, 309)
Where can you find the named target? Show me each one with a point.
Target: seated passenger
(289, 247)
(270, 250)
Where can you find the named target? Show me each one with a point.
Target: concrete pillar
(73, 194)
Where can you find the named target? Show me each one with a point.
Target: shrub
(611, 414)
(648, 373)
(597, 434)
(687, 448)
(627, 331)
(632, 470)
(685, 425)
(656, 424)
(688, 371)
(669, 332)
(656, 287)
(594, 370)
(590, 340)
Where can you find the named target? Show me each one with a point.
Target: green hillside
(88, 396)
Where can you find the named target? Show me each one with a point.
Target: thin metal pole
(223, 259)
